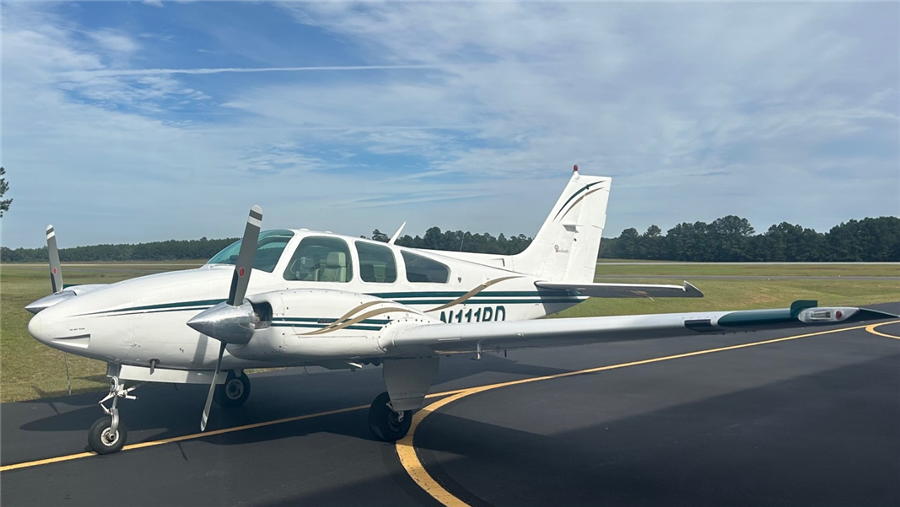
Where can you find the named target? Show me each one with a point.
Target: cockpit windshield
(268, 250)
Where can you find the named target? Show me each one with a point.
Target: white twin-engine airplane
(341, 302)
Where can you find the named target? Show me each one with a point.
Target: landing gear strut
(107, 435)
(234, 392)
(387, 425)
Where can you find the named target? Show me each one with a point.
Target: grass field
(30, 370)
(748, 269)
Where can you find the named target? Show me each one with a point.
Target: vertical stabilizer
(566, 247)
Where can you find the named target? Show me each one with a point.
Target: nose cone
(36, 328)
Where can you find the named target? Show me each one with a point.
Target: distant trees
(4, 186)
(380, 236)
(170, 250)
(726, 239)
(435, 239)
(732, 238)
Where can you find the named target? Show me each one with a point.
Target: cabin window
(424, 270)
(321, 259)
(269, 248)
(376, 263)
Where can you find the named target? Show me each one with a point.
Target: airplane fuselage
(342, 307)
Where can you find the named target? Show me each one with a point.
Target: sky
(127, 122)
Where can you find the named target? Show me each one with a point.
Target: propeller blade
(208, 323)
(56, 279)
(244, 265)
(212, 389)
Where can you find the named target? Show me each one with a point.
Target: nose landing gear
(107, 435)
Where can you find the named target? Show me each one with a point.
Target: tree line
(726, 239)
(461, 241)
(733, 239)
(171, 250)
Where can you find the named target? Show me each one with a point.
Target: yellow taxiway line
(194, 436)
(871, 329)
(409, 459)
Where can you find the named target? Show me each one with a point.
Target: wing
(625, 290)
(573, 331)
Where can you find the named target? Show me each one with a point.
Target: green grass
(744, 295)
(688, 269)
(30, 370)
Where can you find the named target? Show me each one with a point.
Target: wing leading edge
(574, 331)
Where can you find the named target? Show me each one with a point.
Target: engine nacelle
(321, 324)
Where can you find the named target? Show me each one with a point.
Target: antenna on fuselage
(397, 234)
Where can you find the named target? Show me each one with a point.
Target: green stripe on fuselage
(410, 298)
(321, 326)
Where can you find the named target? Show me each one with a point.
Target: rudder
(566, 247)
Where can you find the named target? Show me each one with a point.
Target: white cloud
(697, 110)
(247, 70)
(656, 95)
(113, 41)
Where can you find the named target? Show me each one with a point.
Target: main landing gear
(387, 425)
(234, 392)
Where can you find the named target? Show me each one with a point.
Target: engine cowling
(321, 324)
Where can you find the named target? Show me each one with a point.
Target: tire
(234, 392)
(385, 423)
(99, 438)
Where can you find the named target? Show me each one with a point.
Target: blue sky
(141, 121)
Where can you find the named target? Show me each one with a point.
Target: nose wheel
(107, 435)
(103, 439)
(387, 425)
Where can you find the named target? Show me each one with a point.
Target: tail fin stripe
(578, 201)
(582, 189)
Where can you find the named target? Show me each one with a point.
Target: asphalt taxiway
(808, 417)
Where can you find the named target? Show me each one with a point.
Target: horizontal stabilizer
(625, 290)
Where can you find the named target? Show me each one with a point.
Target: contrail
(151, 72)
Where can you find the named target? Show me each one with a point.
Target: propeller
(234, 320)
(56, 283)
(56, 279)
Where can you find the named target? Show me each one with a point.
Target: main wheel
(234, 392)
(102, 441)
(387, 425)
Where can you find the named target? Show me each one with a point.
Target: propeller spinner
(234, 320)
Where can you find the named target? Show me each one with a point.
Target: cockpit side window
(269, 248)
(321, 259)
(376, 263)
(424, 270)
